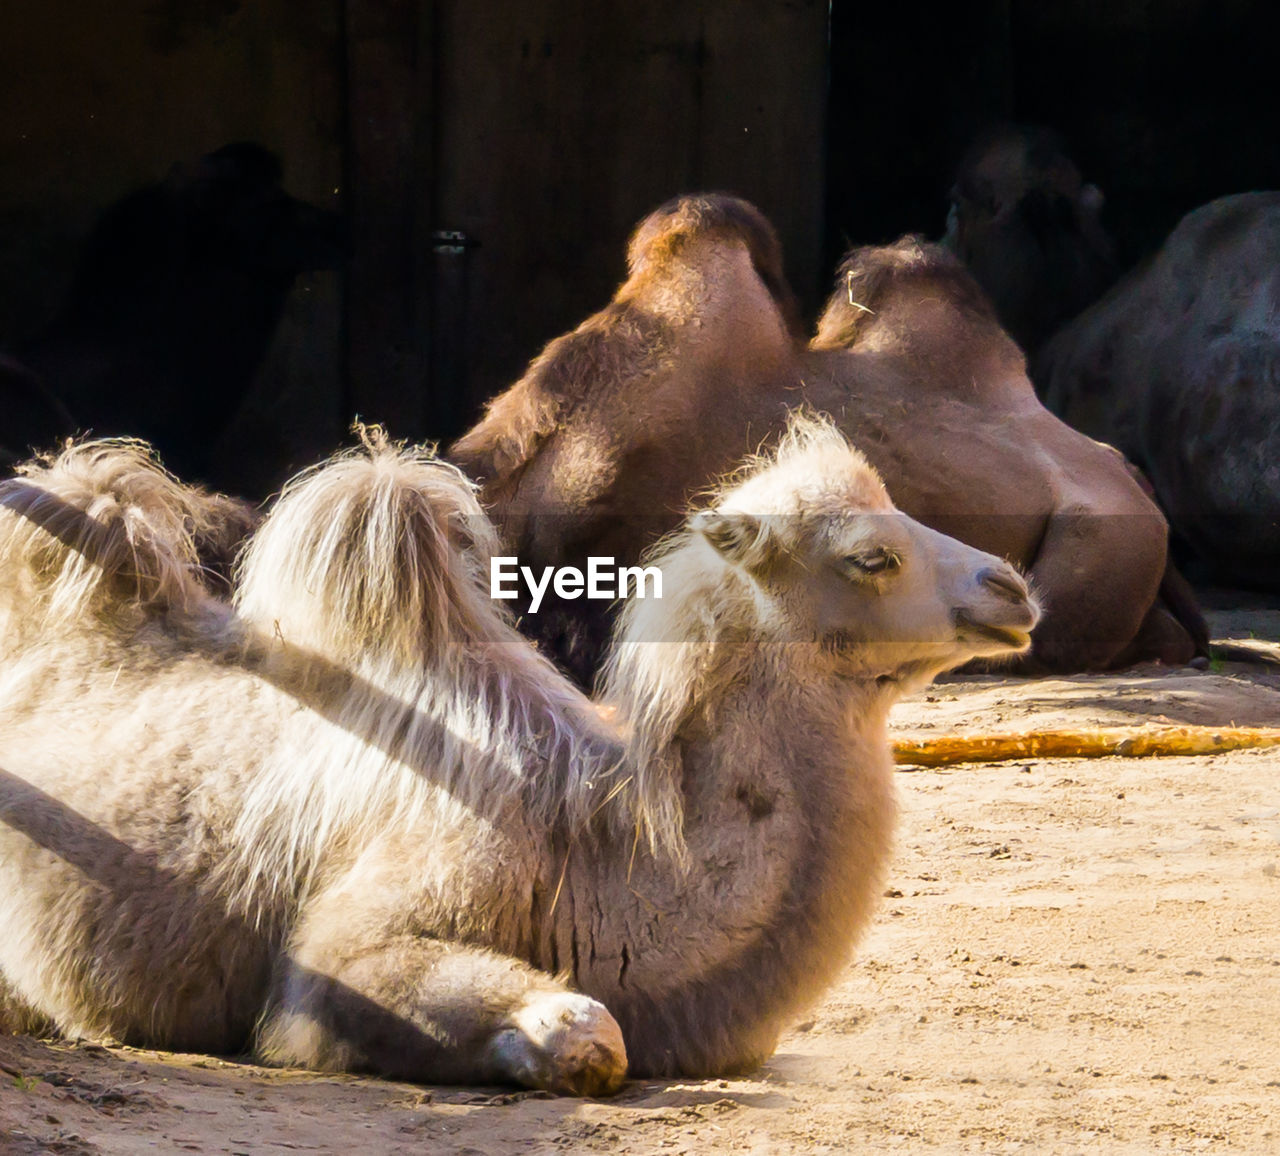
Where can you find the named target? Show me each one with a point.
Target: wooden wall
(100, 99)
(545, 131)
(492, 159)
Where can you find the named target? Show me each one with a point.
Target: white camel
(354, 821)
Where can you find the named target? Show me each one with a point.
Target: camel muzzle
(1004, 613)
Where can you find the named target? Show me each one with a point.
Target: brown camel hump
(663, 236)
(634, 335)
(872, 280)
(664, 231)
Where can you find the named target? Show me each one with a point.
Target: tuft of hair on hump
(101, 528)
(382, 550)
(871, 278)
(668, 228)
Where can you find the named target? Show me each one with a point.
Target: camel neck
(788, 807)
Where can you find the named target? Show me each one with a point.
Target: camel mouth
(1012, 638)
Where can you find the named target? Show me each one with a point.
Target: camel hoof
(565, 1043)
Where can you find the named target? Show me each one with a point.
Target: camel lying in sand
(910, 360)
(357, 819)
(696, 361)
(1177, 366)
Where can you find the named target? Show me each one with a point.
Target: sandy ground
(1073, 956)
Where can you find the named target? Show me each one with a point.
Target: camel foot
(565, 1043)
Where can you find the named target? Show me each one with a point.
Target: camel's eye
(873, 563)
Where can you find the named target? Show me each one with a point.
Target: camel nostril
(1006, 583)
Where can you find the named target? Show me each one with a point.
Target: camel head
(1029, 227)
(825, 556)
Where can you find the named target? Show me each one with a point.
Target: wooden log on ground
(1093, 743)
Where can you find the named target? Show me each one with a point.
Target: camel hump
(380, 552)
(664, 232)
(882, 289)
(101, 527)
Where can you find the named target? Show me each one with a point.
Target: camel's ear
(741, 539)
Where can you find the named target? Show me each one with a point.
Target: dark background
(493, 155)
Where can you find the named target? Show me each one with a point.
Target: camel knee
(427, 1010)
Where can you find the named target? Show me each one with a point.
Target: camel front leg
(431, 1011)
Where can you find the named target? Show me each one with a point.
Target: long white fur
(373, 568)
(669, 653)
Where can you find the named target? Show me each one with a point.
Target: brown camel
(356, 819)
(593, 451)
(911, 361)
